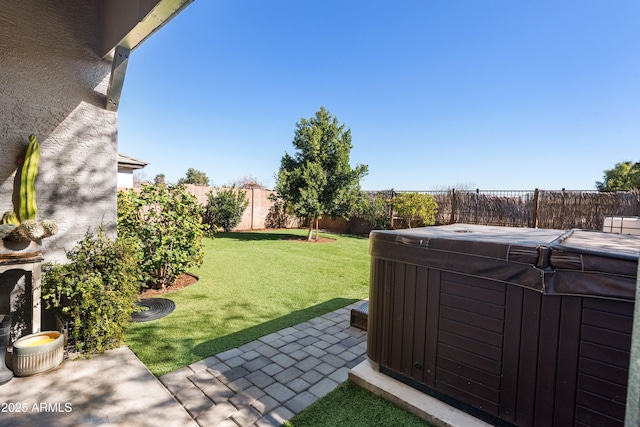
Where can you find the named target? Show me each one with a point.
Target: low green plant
(97, 289)
(377, 212)
(416, 208)
(225, 207)
(165, 224)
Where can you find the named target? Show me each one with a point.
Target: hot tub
(516, 326)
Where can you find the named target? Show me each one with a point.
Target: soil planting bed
(182, 281)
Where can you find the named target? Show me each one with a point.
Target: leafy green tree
(225, 208)
(165, 222)
(195, 177)
(416, 208)
(318, 179)
(159, 179)
(623, 176)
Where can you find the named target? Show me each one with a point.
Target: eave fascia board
(128, 23)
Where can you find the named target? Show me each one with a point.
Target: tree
(416, 208)
(195, 177)
(249, 182)
(318, 179)
(623, 176)
(159, 179)
(225, 208)
(139, 178)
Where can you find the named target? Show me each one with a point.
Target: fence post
(534, 215)
(453, 206)
(564, 209)
(393, 193)
(253, 207)
(476, 200)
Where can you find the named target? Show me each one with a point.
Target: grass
(252, 284)
(350, 405)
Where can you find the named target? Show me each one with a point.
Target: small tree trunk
(310, 229)
(317, 226)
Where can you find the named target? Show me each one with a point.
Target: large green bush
(377, 212)
(416, 208)
(225, 207)
(96, 289)
(165, 222)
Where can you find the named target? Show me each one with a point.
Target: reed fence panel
(584, 209)
(555, 209)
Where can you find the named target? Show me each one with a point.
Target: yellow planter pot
(36, 353)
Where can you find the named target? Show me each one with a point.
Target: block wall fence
(256, 215)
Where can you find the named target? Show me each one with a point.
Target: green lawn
(350, 405)
(252, 284)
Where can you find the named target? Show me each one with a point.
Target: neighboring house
(62, 71)
(126, 166)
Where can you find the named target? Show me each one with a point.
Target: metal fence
(556, 209)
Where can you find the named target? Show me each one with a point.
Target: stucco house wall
(53, 84)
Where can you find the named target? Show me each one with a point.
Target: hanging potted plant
(20, 230)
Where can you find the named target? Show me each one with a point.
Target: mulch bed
(183, 280)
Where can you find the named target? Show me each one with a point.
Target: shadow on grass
(250, 236)
(162, 355)
(351, 236)
(237, 339)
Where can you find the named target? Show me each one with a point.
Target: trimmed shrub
(96, 289)
(416, 208)
(377, 212)
(165, 222)
(225, 207)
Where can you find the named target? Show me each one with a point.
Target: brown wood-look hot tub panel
(515, 354)
(603, 371)
(470, 331)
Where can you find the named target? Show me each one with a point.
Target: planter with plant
(96, 291)
(20, 229)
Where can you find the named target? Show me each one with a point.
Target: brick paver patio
(269, 380)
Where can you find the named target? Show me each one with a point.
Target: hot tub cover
(561, 262)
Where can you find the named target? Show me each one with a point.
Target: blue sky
(492, 94)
